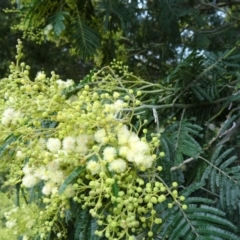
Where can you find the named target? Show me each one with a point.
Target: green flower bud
(184, 207)
(161, 198)
(162, 154)
(174, 184)
(182, 198)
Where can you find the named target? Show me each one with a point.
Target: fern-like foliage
(85, 226)
(71, 177)
(86, 39)
(200, 221)
(179, 141)
(9, 139)
(223, 178)
(57, 20)
(113, 10)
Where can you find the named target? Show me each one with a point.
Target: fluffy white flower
(133, 139)
(118, 105)
(53, 144)
(28, 170)
(69, 83)
(64, 84)
(143, 161)
(109, 153)
(130, 155)
(57, 177)
(29, 181)
(82, 138)
(93, 167)
(140, 146)
(69, 143)
(148, 161)
(47, 29)
(40, 76)
(118, 166)
(5, 121)
(53, 165)
(123, 151)
(81, 149)
(25, 237)
(20, 155)
(123, 135)
(61, 83)
(41, 173)
(17, 115)
(42, 143)
(100, 135)
(11, 224)
(10, 115)
(48, 188)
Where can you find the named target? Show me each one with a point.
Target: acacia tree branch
(179, 105)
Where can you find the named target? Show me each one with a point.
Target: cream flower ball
(118, 166)
(109, 153)
(69, 143)
(53, 145)
(100, 135)
(93, 167)
(29, 181)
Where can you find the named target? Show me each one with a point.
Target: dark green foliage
(84, 225)
(85, 38)
(9, 139)
(199, 221)
(178, 141)
(71, 178)
(57, 20)
(113, 11)
(223, 178)
(48, 124)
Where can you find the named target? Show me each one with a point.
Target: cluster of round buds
(19, 50)
(131, 202)
(92, 130)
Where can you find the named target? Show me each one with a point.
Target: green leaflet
(85, 226)
(86, 39)
(57, 20)
(182, 142)
(9, 139)
(113, 9)
(73, 175)
(222, 177)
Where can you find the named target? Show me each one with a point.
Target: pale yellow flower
(53, 144)
(118, 166)
(109, 153)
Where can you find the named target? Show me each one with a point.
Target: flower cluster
(84, 144)
(10, 116)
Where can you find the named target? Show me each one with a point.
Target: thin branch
(183, 163)
(171, 105)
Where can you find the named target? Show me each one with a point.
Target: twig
(183, 163)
